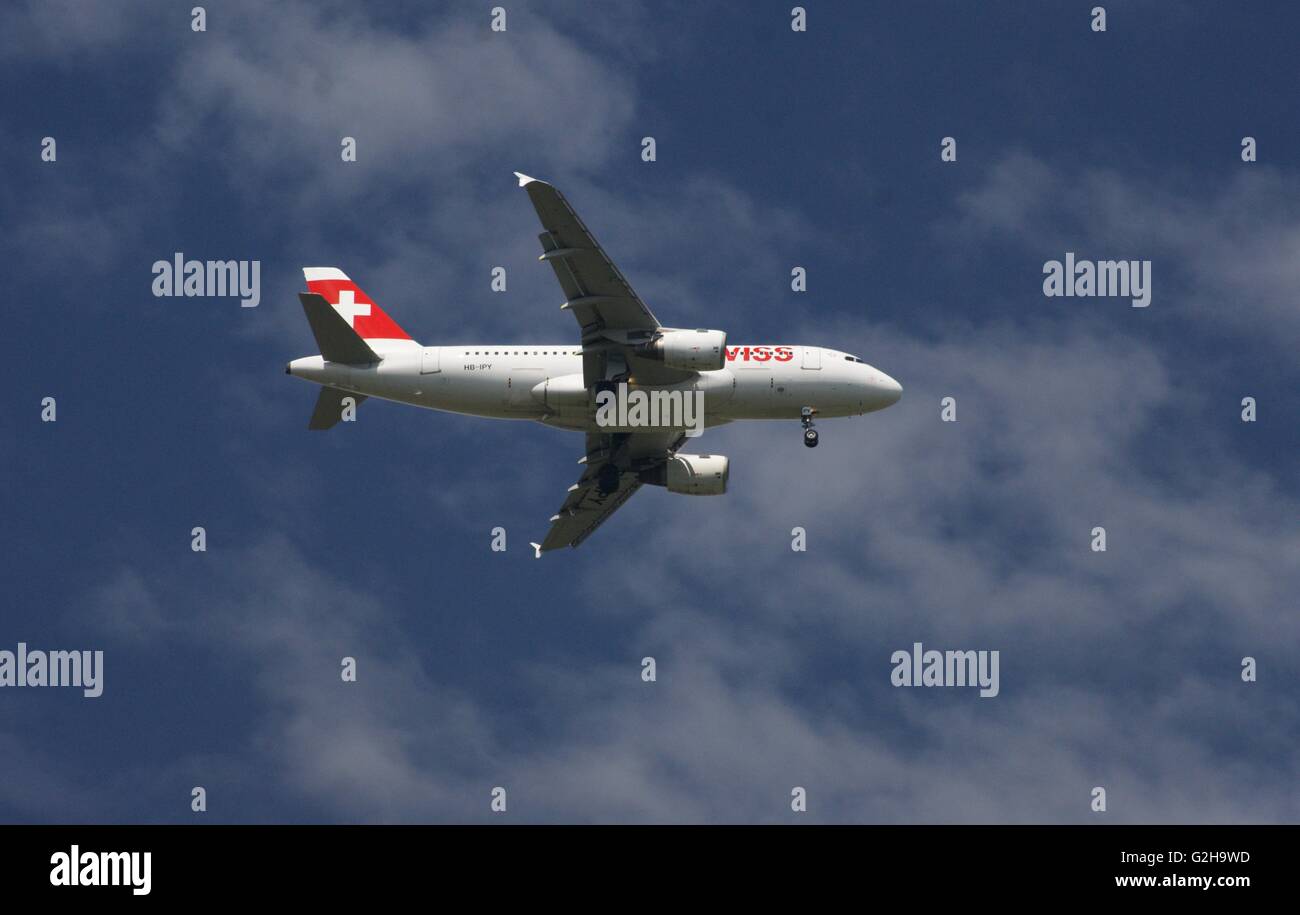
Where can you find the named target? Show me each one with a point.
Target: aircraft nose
(879, 390)
(890, 389)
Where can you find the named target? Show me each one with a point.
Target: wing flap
(582, 515)
(585, 506)
(595, 290)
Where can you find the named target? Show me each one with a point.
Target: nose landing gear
(809, 433)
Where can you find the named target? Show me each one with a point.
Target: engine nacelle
(690, 350)
(697, 474)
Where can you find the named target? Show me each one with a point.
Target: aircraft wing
(587, 505)
(610, 314)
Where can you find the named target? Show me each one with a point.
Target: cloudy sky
(480, 669)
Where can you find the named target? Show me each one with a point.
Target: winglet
(524, 179)
(537, 549)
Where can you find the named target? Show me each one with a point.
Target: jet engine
(689, 350)
(691, 474)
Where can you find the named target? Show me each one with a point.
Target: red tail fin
(360, 311)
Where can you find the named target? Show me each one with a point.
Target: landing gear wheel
(809, 433)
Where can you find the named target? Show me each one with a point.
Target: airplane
(622, 350)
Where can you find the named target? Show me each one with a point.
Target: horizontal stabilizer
(329, 407)
(337, 340)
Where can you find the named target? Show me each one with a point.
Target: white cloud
(286, 83)
(1225, 247)
(1118, 669)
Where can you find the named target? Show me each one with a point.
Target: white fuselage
(544, 383)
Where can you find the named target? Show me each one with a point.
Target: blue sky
(775, 149)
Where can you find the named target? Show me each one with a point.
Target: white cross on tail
(348, 307)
